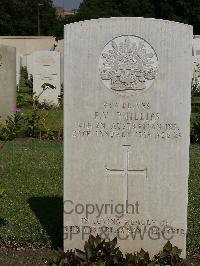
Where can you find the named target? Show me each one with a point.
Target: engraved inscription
(127, 64)
(125, 228)
(126, 171)
(126, 120)
(197, 52)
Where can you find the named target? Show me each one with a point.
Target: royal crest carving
(128, 63)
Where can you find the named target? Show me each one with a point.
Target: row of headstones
(43, 67)
(48, 67)
(128, 100)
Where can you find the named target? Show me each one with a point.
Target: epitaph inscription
(128, 63)
(127, 120)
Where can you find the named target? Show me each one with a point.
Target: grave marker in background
(18, 69)
(29, 65)
(46, 69)
(62, 68)
(196, 56)
(7, 81)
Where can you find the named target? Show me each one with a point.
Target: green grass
(26, 98)
(52, 119)
(193, 239)
(195, 99)
(196, 105)
(32, 205)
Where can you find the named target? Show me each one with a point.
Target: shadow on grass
(3, 222)
(49, 211)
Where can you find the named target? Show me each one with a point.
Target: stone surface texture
(7, 81)
(29, 44)
(18, 69)
(127, 126)
(46, 69)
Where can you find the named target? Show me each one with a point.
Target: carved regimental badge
(128, 63)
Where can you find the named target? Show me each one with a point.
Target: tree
(20, 17)
(186, 11)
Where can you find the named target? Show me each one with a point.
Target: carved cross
(126, 171)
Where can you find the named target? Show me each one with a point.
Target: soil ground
(41, 257)
(25, 257)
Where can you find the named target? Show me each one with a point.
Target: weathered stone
(46, 69)
(127, 125)
(7, 81)
(18, 69)
(29, 44)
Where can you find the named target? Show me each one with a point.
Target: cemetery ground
(31, 206)
(31, 214)
(51, 118)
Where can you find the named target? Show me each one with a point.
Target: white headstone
(18, 69)
(46, 69)
(62, 68)
(196, 45)
(196, 56)
(7, 81)
(60, 46)
(24, 60)
(29, 65)
(127, 125)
